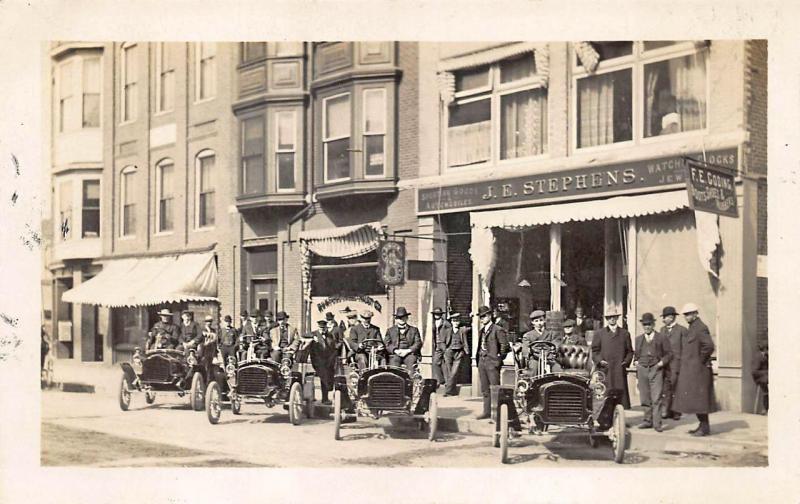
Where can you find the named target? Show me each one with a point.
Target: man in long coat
(403, 342)
(442, 330)
(456, 351)
(676, 334)
(322, 345)
(694, 392)
(492, 349)
(612, 352)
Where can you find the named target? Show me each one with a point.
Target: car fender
(428, 386)
(127, 368)
(505, 395)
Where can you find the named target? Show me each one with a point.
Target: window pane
(263, 261)
(285, 170)
(167, 91)
(206, 173)
(206, 209)
(91, 93)
(91, 110)
(165, 224)
(166, 179)
(675, 95)
(472, 79)
(286, 128)
(130, 189)
(91, 75)
(604, 109)
(337, 115)
(254, 50)
(91, 193)
(91, 223)
(373, 154)
(614, 49)
(657, 44)
(253, 168)
(253, 134)
(128, 219)
(518, 68)
(129, 111)
(130, 64)
(523, 128)
(337, 159)
(469, 133)
(206, 78)
(375, 111)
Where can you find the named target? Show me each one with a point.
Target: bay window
(253, 168)
(90, 211)
(374, 132)
(336, 137)
(165, 196)
(286, 149)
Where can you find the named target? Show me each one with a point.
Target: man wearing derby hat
(456, 351)
(269, 321)
(403, 342)
(537, 333)
(652, 354)
(442, 330)
(676, 333)
(336, 331)
(492, 349)
(163, 334)
(362, 332)
(694, 392)
(612, 352)
(282, 337)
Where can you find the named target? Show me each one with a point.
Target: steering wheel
(545, 346)
(369, 343)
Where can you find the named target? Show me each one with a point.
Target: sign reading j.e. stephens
(591, 181)
(711, 189)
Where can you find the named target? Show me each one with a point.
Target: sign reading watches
(592, 181)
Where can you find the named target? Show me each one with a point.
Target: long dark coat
(694, 392)
(324, 355)
(616, 349)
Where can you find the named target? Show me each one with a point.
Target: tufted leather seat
(574, 357)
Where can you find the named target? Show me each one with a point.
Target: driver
(163, 334)
(190, 332)
(537, 333)
(366, 331)
(403, 341)
(228, 338)
(284, 337)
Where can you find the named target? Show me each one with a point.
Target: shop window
(336, 137)
(206, 53)
(129, 78)
(286, 150)
(90, 211)
(357, 276)
(128, 192)
(165, 78)
(65, 209)
(205, 189)
(252, 51)
(253, 141)
(165, 175)
(374, 132)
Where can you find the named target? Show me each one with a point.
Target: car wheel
(196, 393)
(213, 402)
(337, 414)
(433, 417)
(503, 433)
(619, 432)
(149, 397)
(236, 406)
(295, 404)
(124, 393)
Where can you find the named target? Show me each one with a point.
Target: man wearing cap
(652, 354)
(612, 352)
(228, 339)
(441, 332)
(361, 332)
(694, 392)
(190, 331)
(456, 351)
(676, 334)
(322, 346)
(403, 342)
(347, 349)
(282, 337)
(492, 349)
(163, 334)
(537, 333)
(571, 336)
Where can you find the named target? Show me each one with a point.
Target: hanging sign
(711, 188)
(391, 262)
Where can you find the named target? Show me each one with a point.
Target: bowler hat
(282, 315)
(244, 314)
(268, 313)
(352, 314)
(689, 308)
(366, 314)
(569, 323)
(209, 318)
(227, 318)
(256, 313)
(164, 311)
(401, 312)
(537, 314)
(484, 310)
(454, 315)
(437, 311)
(668, 310)
(322, 323)
(329, 316)
(188, 312)
(648, 318)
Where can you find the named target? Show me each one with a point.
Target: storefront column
(430, 293)
(77, 319)
(633, 310)
(555, 267)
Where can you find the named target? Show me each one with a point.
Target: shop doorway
(583, 265)
(265, 295)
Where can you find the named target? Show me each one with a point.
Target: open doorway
(583, 255)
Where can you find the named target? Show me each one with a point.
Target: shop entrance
(583, 254)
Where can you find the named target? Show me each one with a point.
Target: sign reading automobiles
(391, 262)
(711, 188)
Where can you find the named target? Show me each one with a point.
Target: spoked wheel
(295, 404)
(213, 402)
(236, 405)
(337, 414)
(196, 399)
(433, 416)
(618, 434)
(150, 397)
(124, 393)
(503, 433)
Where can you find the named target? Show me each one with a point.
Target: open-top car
(574, 397)
(383, 390)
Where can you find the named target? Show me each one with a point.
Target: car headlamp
(354, 379)
(286, 371)
(191, 360)
(522, 386)
(230, 369)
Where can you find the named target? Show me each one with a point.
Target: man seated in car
(164, 334)
(403, 342)
(366, 331)
(536, 334)
(190, 332)
(571, 337)
(283, 338)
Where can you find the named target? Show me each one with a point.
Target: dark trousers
(325, 370)
(407, 362)
(439, 369)
(362, 360)
(453, 360)
(667, 393)
(650, 388)
(489, 374)
(276, 354)
(227, 351)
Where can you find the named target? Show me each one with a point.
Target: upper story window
(129, 79)
(66, 97)
(78, 92)
(252, 51)
(128, 201)
(205, 189)
(374, 132)
(253, 167)
(499, 113)
(65, 209)
(668, 79)
(165, 78)
(286, 149)
(90, 211)
(336, 137)
(165, 195)
(206, 54)
(91, 93)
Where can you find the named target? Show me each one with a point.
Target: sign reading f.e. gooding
(711, 189)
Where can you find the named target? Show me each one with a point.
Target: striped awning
(149, 281)
(344, 242)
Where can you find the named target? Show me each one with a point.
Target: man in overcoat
(403, 342)
(694, 392)
(282, 337)
(492, 349)
(612, 352)
(676, 334)
(361, 332)
(456, 351)
(322, 346)
(441, 331)
(652, 355)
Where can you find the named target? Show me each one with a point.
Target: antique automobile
(254, 378)
(574, 399)
(383, 390)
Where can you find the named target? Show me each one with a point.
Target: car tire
(124, 393)
(295, 404)
(149, 397)
(433, 417)
(620, 431)
(213, 402)
(503, 433)
(337, 414)
(196, 399)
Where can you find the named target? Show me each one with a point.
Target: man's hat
(282, 315)
(612, 312)
(437, 311)
(329, 316)
(244, 314)
(648, 318)
(401, 312)
(256, 313)
(164, 311)
(188, 312)
(209, 318)
(668, 310)
(454, 316)
(569, 323)
(349, 312)
(322, 323)
(484, 310)
(366, 314)
(227, 318)
(537, 314)
(268, 313)
(689, 308)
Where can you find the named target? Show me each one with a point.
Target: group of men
(186, 336)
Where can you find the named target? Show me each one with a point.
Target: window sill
(346, 188)
(163, 233)
(204, 229)
(127, 238)
(275, 199)
(204, 100)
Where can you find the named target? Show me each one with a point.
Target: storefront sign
(391, 263)
(589, 182)
(711, 189)
(338, 305)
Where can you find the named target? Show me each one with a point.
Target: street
(90, 430)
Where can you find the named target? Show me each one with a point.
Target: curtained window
(675, 95)
(604, 109)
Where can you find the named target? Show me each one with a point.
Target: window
(253, 169)
(90, 210)
(91, 93)
(336, 137)
(253, 50)
(165, 179)
(672, 91)
(357, 276)
(65, 209)
(205, 189)
(206, 70)
(66, 97)
(499, 113)
(165, 78)
(128, 212)
(129, 77)
(285, 150)
(374, 132)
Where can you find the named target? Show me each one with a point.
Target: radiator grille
(386, 391)
(254, 380)
(565, 404)
(156, 369)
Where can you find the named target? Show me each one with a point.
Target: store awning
(344, 242)
(150, 281)
(618, 207)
